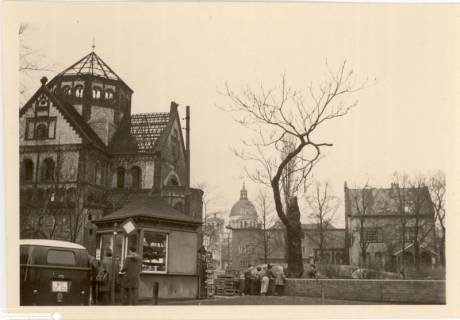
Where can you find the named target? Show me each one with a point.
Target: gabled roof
(69, 112)
(140, 132)
(385, 201)
(91, 64)
(149, 206)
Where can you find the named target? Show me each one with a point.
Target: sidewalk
(259, 300)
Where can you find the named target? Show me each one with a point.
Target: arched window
(178, 206)
(120, 177)
(41, 131)
(108, 94)
(48, 170)
(79, 91)
(96, 93)
(135, 177)
(67, 90)
(97, 173)
(28, 169)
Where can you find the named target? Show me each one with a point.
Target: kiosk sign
(128, 226)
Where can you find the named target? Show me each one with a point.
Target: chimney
(187, 160)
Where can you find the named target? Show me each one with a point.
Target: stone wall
(392, 291)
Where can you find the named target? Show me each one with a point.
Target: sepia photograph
(166, 154)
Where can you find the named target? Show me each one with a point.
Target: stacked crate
(225, 286)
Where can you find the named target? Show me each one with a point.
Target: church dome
(243, 208)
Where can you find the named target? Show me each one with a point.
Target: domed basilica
(243, 213)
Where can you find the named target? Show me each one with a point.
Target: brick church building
(86, 162)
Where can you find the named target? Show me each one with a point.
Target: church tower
(96, 92)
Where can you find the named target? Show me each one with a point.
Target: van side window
(60, 257)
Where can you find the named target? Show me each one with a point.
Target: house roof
(385, 201)
(140, 132)
(149, 206)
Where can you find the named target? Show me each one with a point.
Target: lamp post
(114, 273)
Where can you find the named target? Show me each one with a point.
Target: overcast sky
(185, 52)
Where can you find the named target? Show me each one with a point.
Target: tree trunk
(417, 255)
(294, 239)
(443, 247)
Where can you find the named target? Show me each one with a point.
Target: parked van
(53, 273)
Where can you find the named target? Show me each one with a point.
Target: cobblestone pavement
(260, 300)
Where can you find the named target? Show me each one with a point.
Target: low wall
(170, 286)
(398, 291)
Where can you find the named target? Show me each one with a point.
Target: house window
(120, 177)
(79, 91)
(28, 169)
(373, 235)
(135, 177)
(96, 93)
(41, 131)
(48, 170)
(155, 252)
(97, 174)
(410, 234)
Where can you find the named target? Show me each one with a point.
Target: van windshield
(60, 257)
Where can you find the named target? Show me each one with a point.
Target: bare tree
(31, 61)
(283, 122)
(414, 210)
(362, 201)
(399, 187)
(266, 222)
(324, 206)
(437, 185)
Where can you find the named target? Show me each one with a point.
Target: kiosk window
(155, 251)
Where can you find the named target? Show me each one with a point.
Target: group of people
(105, 274)
(259, 281)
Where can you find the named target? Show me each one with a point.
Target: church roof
(91, 64)
(140, 132)
(243, 208)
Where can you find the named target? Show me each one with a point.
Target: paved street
(260, 300)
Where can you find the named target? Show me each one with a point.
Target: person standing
(248, 280)
(130, 282)
(94, 265)
(106, 285)
(259, 277)
(280, 280)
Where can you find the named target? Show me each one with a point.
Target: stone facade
(390, 291)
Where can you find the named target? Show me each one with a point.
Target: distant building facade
(251, 244)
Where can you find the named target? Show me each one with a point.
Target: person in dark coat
(130, 282)
(94, 265)
(248, 280)
(105, 288)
